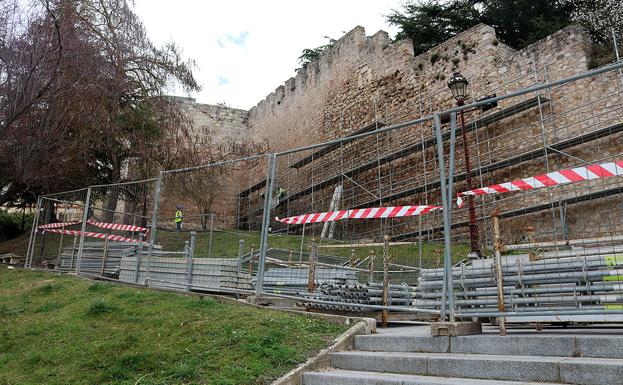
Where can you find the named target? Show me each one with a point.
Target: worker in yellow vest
(179, 218)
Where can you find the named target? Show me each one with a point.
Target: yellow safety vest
(178, 216)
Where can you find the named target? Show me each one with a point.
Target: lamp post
(458, 85)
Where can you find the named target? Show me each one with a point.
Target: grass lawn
(57, 329)
(226, 243)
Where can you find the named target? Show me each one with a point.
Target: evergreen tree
(518, 23)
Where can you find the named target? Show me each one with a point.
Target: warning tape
(110, 237)
(57, 225)
(103, 225)
(367, 213)
(116, 226)
(578, 174)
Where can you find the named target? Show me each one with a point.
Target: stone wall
(219, 123)
(371, 81)
(212, 125)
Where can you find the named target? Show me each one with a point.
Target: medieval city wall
(371, 81)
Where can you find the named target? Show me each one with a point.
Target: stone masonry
(370, 80)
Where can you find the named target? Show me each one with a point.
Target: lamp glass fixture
(458, 85)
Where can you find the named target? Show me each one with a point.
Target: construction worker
(179, 218)
(281, 193)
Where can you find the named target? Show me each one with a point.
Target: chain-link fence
(53, 242)
(371, 221)
(203, 231)
(542, 209)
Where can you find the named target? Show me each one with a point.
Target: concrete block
(347, 377)
(403, 363)
(510, 368)
(402, 343)
(455, 328)
(594, 346)
(520, 345)
(592, 371)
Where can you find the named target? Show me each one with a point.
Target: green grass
(58, 329)
(226, 243)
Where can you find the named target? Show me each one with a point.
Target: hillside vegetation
(63, 330)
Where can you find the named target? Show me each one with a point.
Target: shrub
(10, 224)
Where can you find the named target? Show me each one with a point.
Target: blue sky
(245, 49)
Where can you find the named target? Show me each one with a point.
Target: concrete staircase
(414, 358)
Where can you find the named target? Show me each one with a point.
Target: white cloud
(246, 49)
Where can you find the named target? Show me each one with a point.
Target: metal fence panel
(204, 231)
(397, 240)
(52, 243)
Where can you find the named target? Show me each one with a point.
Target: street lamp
(458, 85)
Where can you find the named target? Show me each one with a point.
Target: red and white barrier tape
(368, 213)
(57, 225)
(115, 226)
(111, 237)
(103, 225)
(578, 174)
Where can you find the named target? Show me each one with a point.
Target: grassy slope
(62, 330)
(225, 244)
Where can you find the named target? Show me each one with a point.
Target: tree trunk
(23, 224)
(49, 216)
(204, 219)
(111, 201)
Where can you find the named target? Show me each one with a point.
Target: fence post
(33, 235)
(419, 242)
(311, 276)
(240, 254)
(85, 217)
(497, 247)
(616, 53)
(191, 255)
(104, 257)
(154, 222)
(60, 242)
(268, 196)
(139, 257)
(211, 229)
(371, 256)
(352, 257)
(446, 198)
(73, 255)
(251, 257)
(385, 313)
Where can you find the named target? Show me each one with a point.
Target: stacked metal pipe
(292, 280)
(355, 297)
(573, 279)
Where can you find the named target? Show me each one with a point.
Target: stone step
(571, 370)
(351, 377)
(605, 346)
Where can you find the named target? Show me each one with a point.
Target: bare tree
(81, 92)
